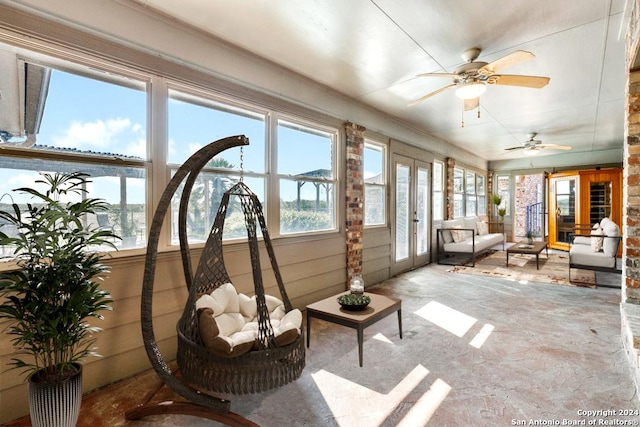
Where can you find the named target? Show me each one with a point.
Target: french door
(411, 213)
(564, 212)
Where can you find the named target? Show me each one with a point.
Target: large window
(481, 191)
(307, 178)
(194, 121)
(470, 197)
(79, 119)
(469, 193)
(61, 115)
(374, 184)
(458, 192)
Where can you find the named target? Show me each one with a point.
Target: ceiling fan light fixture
(531, 151)
(471, 90)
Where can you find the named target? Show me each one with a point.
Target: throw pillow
(483, 228)
(459, 235)
(446, 234)
(610, 245)
(596, 242)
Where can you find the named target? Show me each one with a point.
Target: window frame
(156, 166)
(438, 189)
(468, 194)
(384, 185)
(277, 177)
(83, 158)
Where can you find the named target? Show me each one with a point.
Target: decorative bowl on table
(354, 302)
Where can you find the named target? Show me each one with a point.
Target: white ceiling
(371, 50)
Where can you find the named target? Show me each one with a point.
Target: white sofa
(461, 240)
(595, 248)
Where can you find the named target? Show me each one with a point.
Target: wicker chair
(258, 370)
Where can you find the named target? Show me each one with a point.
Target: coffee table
(529, 249)
(328, 309)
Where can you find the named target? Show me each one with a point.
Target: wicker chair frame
(202, 372)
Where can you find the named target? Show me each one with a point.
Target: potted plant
(46, 300)
(501, 213)
(496, 200)
(529, 234)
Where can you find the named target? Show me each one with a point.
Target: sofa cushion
(582, 240)
(483, 227)
(481, 243)
(471, 222)
(459, 235)
(583, 255)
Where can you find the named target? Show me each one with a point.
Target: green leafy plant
(354, 299)
(496, 199)
(47, 299)
(530, 235)
(501, 213)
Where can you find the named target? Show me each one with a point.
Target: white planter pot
(55, 405)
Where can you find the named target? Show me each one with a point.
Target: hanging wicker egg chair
(260, 369)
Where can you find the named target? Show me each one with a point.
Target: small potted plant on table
(46, 300)
(530, 235)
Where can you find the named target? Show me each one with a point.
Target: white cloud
(99, 134)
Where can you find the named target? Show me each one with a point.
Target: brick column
(354, 199)
(631, 196)
(449, 179)
(630, 305)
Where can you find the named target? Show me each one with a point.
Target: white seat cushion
(583, 255)
(228, 321)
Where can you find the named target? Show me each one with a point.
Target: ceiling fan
(470, 80)
(533, 147)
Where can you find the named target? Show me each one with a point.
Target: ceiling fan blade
(555, 147)
(514, 148)
(470, 104)
(536, 82)
(507, 61)
(450, 75)
(429, 95)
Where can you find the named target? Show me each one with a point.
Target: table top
(378, 304)
(536, 249)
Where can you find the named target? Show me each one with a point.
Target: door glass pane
(403, 179)
(422, 212)
(600, 201)
(565, 209)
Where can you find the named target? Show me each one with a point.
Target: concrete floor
(475, 352)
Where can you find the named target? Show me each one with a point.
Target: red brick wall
(631, 197)
(354, 199)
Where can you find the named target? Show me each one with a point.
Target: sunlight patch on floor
(373, 408)
(447, 318)
(382, 338)
(482, 336)
(423, 409)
